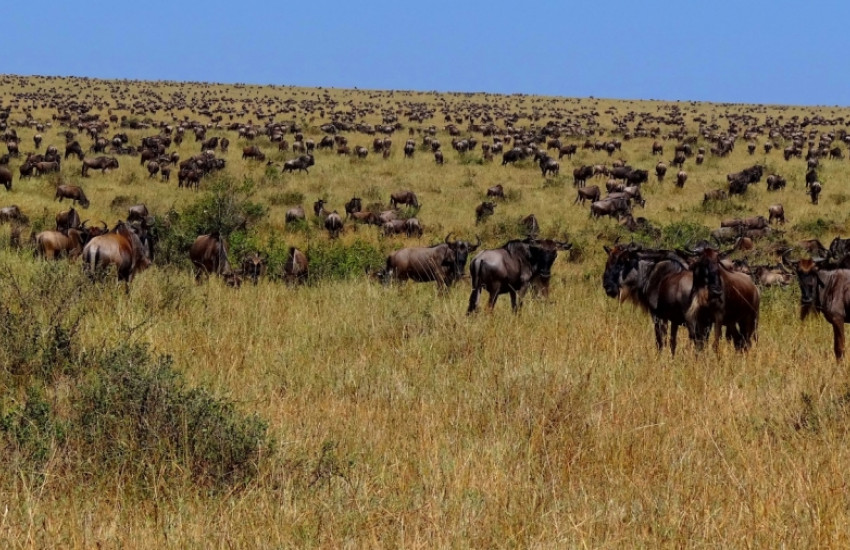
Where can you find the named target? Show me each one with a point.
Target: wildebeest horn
(477, 241)
(105, 227)
(84, 224)
(447, 238)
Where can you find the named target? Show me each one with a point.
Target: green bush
(682, 233)
(332, 260)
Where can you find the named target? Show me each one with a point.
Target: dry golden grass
(398, 421)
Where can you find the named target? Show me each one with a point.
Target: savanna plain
(345, 413)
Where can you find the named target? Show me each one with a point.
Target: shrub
(682, 233)
(287, 198)
(332, 260)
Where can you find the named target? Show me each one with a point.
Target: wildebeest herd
(696, 286)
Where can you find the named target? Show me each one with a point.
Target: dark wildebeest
(412, 227)
(67, 219)
(254, 266)
(531, 225)
(295, 214)
(153, 168)
(775, 182)
(776, 212)
(51, 245)
(138, 213)
(252, 152)
(74, 148)
(660, 171)
(722, 298)
(657, 148)
(590, 193)
(484, 210)
(548, 165)
(614, 207)
(209, 255)
(100, 163)
(814, 191)
(72, 192)
(581, 174)
(295, 269)
(393, 227)
(656, 280)
(13, 214)
(333, 223)
(404, 197)
(438, 157)
(443, 263)
(352, 206)
(825, 289)
(301, 163)
(496, 191)
(568, 150)
(715, 195)
(122, 247)
(681, 178)
(6, 178)
(512, 268)
(45, 167)
(511, 156)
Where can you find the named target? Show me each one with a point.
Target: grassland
(395, 420)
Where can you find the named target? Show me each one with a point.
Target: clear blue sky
(735, 51)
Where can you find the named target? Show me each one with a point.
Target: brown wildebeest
(45, 167)
(722, 298)
(531, 225)
(754, 222)
(100, 163)
(814, 191)
(443, 263)
(333, 223)
(295, 269)
(715, 195)
(319, 209)
(13, 214)
(253, 152)
(496, 191)
(295, 214)
(393, 227)
(412, 227)
(153, 168)
(660, 171)
(122, 247)
(368, 218)
(775, 182)
(581, 174)
(209, 255)
(51, 245)
(6, 177)
(138, 213)
(614, 207)
(824, 289)
(681, 178)
(657, 148)
(776, 212)
(658, 281)
(74, 148)
(352, 206)
(590, 193)
(67, 219)
(568, 150)
(254, 266)
(511, 269)
(72, 192)
(404, 197)
(484, 211)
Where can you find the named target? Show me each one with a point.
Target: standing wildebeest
(814, 191)
(100, 163)
(51, 245)
(825, 289)
(496, 191)
(6, 178)
(681, 178)
(776, 212)
(548, 165)
(568, 150)
(722, 298)
(138, 212)
(656, 280)
(333, 223)
(67, 219)
(352, 206)
(254, 266)
(404, 197)
(319, 209)
(72, 192)
(657, 148)
(74, 148)
(613, 207)
(513, 155)
(412, 227)
(511, 268)
(775, 182)
(531, 225)
(660, 171)
(295, 269)
(438, 157)
(443, 263)
(121, 247)
(484, 210)
(153, 168)
(590, 193)
(12, 214)
(301, 163)
(295, 214)
(45, 167)
(252, 152)
(581, 174)
(209, 255)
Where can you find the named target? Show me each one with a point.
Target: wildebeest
(722, 298)
(209, 255)
(681, 178)
(74, 148)
(657, 148)
(72, 192)
(660, 171)
(443, 263)
(67, 219)
(548, 165)
(319, 209)
(512, 268)
(496, 191)
(412, 227)
(776, 212)
(295, 214)
(100, 163)
(301, 163)
(590, 193)
(568, 150)
(512, 155)
(252, 152)
(138, 213)
(6, 178)
(531, 225)
(614, 207)
(121, 247)
(12, 214)
(824, 289)
(352, 206)
(484, 211)
(254, 266)
(775, 182)
(438, 157)
(715, 195)
(52, 245)
(45, 167)
(404, 197)
(393, 227)
(333, 223)
(295, 269)
(581, 174)
(814, 191)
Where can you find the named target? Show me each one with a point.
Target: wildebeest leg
(838, 336)
(515, 303)
(660, 332)
(674, 331)
(473, 300)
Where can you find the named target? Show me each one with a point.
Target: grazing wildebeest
(590, 193)
(660, 171)
(153, 168)
(496, 191)
(12, 214)
(614, 207)
(512, 268)
(484, 210)
(657, 148)
(209, 255)
(74, 148)
(72, 192)
(45, 167)
(352, 206)
(393, 227)
(333, 223)
(412, 227)
(301, 163)
(100, 163)
(404, 197)
(6, 178)
(443, 263)
(254, 266)
(581, 174)
(825, 289)
(368, 218)
(814, 191)
(67, 219)
(776, 212)
(722, 298)
(52, 245)
(715, 195)
(295, 214)
(775, 182)
(681, 178)
(295, 269)
(122, 247)
(568, 150)
(252, 152)
(658, 281)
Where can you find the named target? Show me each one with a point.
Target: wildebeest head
(542, 255)
(706, 269)
(459, 253)
(622, 260)
(810, 283)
